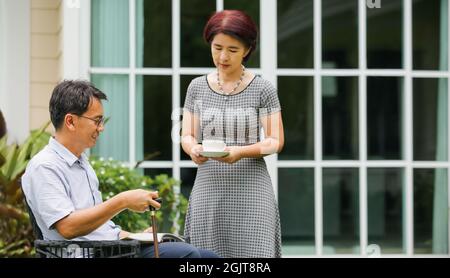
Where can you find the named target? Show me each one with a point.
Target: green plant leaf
(2, 160)
(11, 160)
(3, 142)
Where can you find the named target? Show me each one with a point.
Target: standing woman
(232, 207)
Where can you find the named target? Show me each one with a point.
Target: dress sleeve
(269, 100)
(190, 101)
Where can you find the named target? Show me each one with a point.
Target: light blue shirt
(57, 183)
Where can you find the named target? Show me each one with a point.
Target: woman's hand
(194, 153)
(234, 156)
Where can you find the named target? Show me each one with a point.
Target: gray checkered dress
(232, 208)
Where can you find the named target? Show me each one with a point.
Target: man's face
(88, 128)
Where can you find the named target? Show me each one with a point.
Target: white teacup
(213, 145)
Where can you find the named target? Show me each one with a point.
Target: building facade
(363, 87)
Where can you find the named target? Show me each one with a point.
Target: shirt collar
(64, 153)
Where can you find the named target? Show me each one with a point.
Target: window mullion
(219, 5)
(318, 194)
(175, 135)
(408, 224)
(363, 229)
(132, 82)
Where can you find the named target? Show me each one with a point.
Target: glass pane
(340, 211)
(153, 117)
(153, 47)
(295, 33)
(430, 34)
(384, 35)
(430, 119)
(187, 180)
(195, 52)
(340, 117)
(109, 33)
(152, 172)
(385, 209)
(384, 117)
(251, 7)
(185, 80)
(340, 33)
(297, 101)
(114, 140)
(430, 211)
(296, 202)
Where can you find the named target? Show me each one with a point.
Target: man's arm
(83, 222)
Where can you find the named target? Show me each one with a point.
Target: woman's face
(227, 52)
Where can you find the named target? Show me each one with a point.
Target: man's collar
(64, 153)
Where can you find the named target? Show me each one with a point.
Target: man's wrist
(121, 200)
(123, 234)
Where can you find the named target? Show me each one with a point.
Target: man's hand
(139, 200)
(148, 230)
(123, 234)
(195, 154)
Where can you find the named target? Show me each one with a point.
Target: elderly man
(61, 187)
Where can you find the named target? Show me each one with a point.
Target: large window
(364, 96)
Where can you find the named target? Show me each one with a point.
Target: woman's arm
(191, 147)
(272, 143)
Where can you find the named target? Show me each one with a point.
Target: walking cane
(154, 229)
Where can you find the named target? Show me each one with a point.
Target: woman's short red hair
(233, 23)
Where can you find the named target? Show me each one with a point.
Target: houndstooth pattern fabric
(232, 208)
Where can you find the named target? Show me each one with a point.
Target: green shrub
(115, 177)
(16, 235)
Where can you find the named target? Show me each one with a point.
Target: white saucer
(214, 154)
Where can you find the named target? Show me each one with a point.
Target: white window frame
(270, 71)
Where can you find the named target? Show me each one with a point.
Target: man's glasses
(99, 121)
